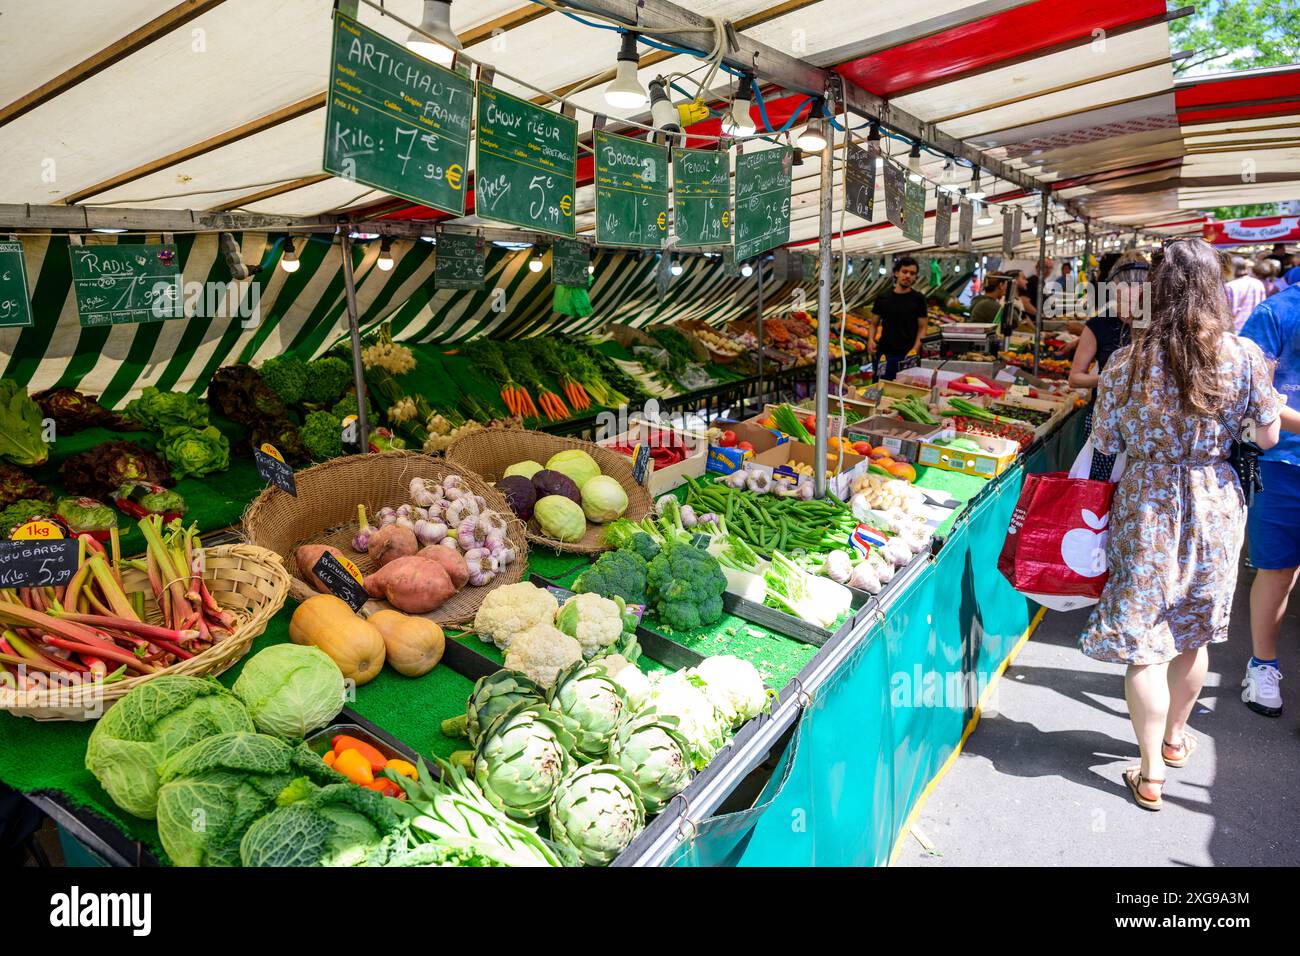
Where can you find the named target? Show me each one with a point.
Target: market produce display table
(924, 623)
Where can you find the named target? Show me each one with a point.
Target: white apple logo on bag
(1083, 550)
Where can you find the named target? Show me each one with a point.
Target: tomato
(862, 447)
(728, 439)
(745, 446)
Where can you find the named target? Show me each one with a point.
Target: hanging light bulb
(591, 268)
(914, 163)
(663, 115)
(874, 137)
(435, 39)
(947, 178)
(675, 268)
(385, 262)
(737, 121)
(975, 191)
(983, 215)
(813, 137)
(535, 263)
(746, 270)
(289, 261)
(625, 91)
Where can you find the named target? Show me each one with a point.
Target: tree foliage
(1237, 35)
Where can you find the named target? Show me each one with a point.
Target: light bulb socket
(737, 120)
(627, 52)
(975, 192)
(663, 115)
(874, 135)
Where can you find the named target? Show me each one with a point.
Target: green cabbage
(195, 451)
(525, 468)
(338, 825)
(560, 518)
(603, 499)
(148, 725)
(291, 690)
(214, 790)
(86, 514)
(576, 464)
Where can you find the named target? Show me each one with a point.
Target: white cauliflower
(597, 622)
(510, 610)
(541, 652)
(733, 686)
(629, 677)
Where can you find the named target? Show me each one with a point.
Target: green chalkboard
(526, 163)
(631, 191)
(15, 301)
(459, 262)
(117, 285)
(396, 121)
(569, 261)
(914, 211)
(762, 200)
(701, 197)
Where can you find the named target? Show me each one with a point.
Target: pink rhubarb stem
(115, 654)
(137, 629)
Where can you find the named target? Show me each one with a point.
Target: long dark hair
(1189, 314)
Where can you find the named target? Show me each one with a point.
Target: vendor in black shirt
(900, 314)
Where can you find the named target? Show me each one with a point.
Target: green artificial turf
(962, 487)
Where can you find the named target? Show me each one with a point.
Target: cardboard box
(659, 481)
(724, 460)
(885, 430)
(996, 458)
(775, 458)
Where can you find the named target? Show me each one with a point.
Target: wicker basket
(490, 451)
(248, 581)
(325, 512)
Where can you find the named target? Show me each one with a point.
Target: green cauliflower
(615, 574)
(685, 585)
(322, 435)
(287, 376)
(327, 379)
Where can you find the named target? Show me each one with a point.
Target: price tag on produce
(343, 578)
(271, 466)
(873, 395)
(37, 530)
(37, 563)
(641, 463)
(1020, 390)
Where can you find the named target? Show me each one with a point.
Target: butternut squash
(413, 645)
(354, 644)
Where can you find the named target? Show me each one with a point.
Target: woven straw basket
(490, 451)
(248, 581)
(325, 512)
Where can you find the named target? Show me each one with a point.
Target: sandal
(1133, 777)
(1186, 748)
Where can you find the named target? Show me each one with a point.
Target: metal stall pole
(1042, 280)
(354, 329)
(823, 319)
(758, 278)
(1087, 262)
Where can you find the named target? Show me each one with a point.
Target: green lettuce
(195, 451)
(163, 410)
(21, 438)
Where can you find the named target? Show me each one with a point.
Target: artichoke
(591, 704)
(654, 754)
(491, 697)
(522, 758)
(597, 813)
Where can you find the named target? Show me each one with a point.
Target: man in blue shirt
(1273, 526)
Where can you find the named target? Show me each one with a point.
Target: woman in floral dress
(1172, 401)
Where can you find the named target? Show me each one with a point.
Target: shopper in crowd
(1273, 528)
(1266, 271)
(1174, 400)
(985, 306)
(1040, 277)
(1104, 335)
(1244, 292)
(900, 314)
(1058, 294)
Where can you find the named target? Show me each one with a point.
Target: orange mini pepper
(402, 767)
(328, 758)
(377, 760)
(353, 765)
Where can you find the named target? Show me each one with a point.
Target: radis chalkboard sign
(126, 283)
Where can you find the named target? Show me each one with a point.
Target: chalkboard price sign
(37, 564)
(701, 197)
(965, 226)
(396, 121)
(631, 191)
(641, 464)
(340, 581)
(15, 301)
(762, 200)
(460, 262)
(895, 190)
(526, 172)
(943, 221)
(275, 472)
(123, 284)
(860, 183)
(914, 211)
(569, 261)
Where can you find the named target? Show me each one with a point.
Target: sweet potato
(307, 555)
(392, 542)
(411, 584)
(453, 562)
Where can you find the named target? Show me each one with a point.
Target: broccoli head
(685, 585)
(327, 379)
(642, 544)
(322, 435)
(347, 405)
(287, 377)
(615, 574)
(628, 535)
